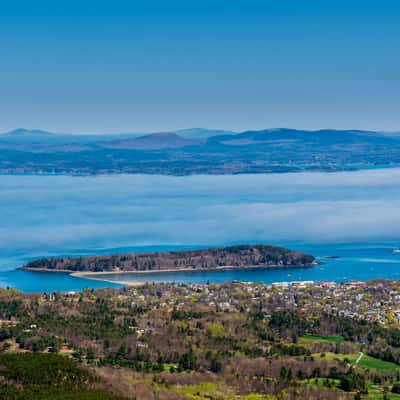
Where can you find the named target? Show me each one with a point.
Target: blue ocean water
(352, 215)
(356, 261)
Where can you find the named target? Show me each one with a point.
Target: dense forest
(233, 257)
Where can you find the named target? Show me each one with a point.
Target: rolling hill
(197, 151)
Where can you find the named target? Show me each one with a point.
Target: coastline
(99, 275)
(93, 277)
(267, 171)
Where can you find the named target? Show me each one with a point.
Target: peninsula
(233, 257)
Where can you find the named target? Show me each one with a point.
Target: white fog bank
(40, 213)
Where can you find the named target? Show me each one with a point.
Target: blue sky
(139, 66)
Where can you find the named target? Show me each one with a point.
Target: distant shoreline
(266, 171)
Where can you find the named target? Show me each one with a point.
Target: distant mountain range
(197, 150)
(193, 133)
(27, 132)
(190, 137)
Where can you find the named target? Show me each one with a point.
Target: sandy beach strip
(102, 275)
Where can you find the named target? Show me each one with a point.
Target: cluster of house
(373, 300)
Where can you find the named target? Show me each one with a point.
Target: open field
(375, 393)
(378, 365)
(317, 338)
(365, 362)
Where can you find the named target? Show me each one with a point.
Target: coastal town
(316, 340)
(374, 301)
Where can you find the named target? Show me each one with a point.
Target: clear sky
(135, 66)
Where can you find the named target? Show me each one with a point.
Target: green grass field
(375, 393)
(366, 362)
(376, 364)
(327, 339)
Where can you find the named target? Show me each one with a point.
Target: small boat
(396, 250)
(330, 256)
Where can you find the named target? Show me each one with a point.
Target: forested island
(243, 256)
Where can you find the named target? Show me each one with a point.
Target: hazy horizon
(167, 130)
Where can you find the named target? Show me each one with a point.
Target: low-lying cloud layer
(45, 214)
